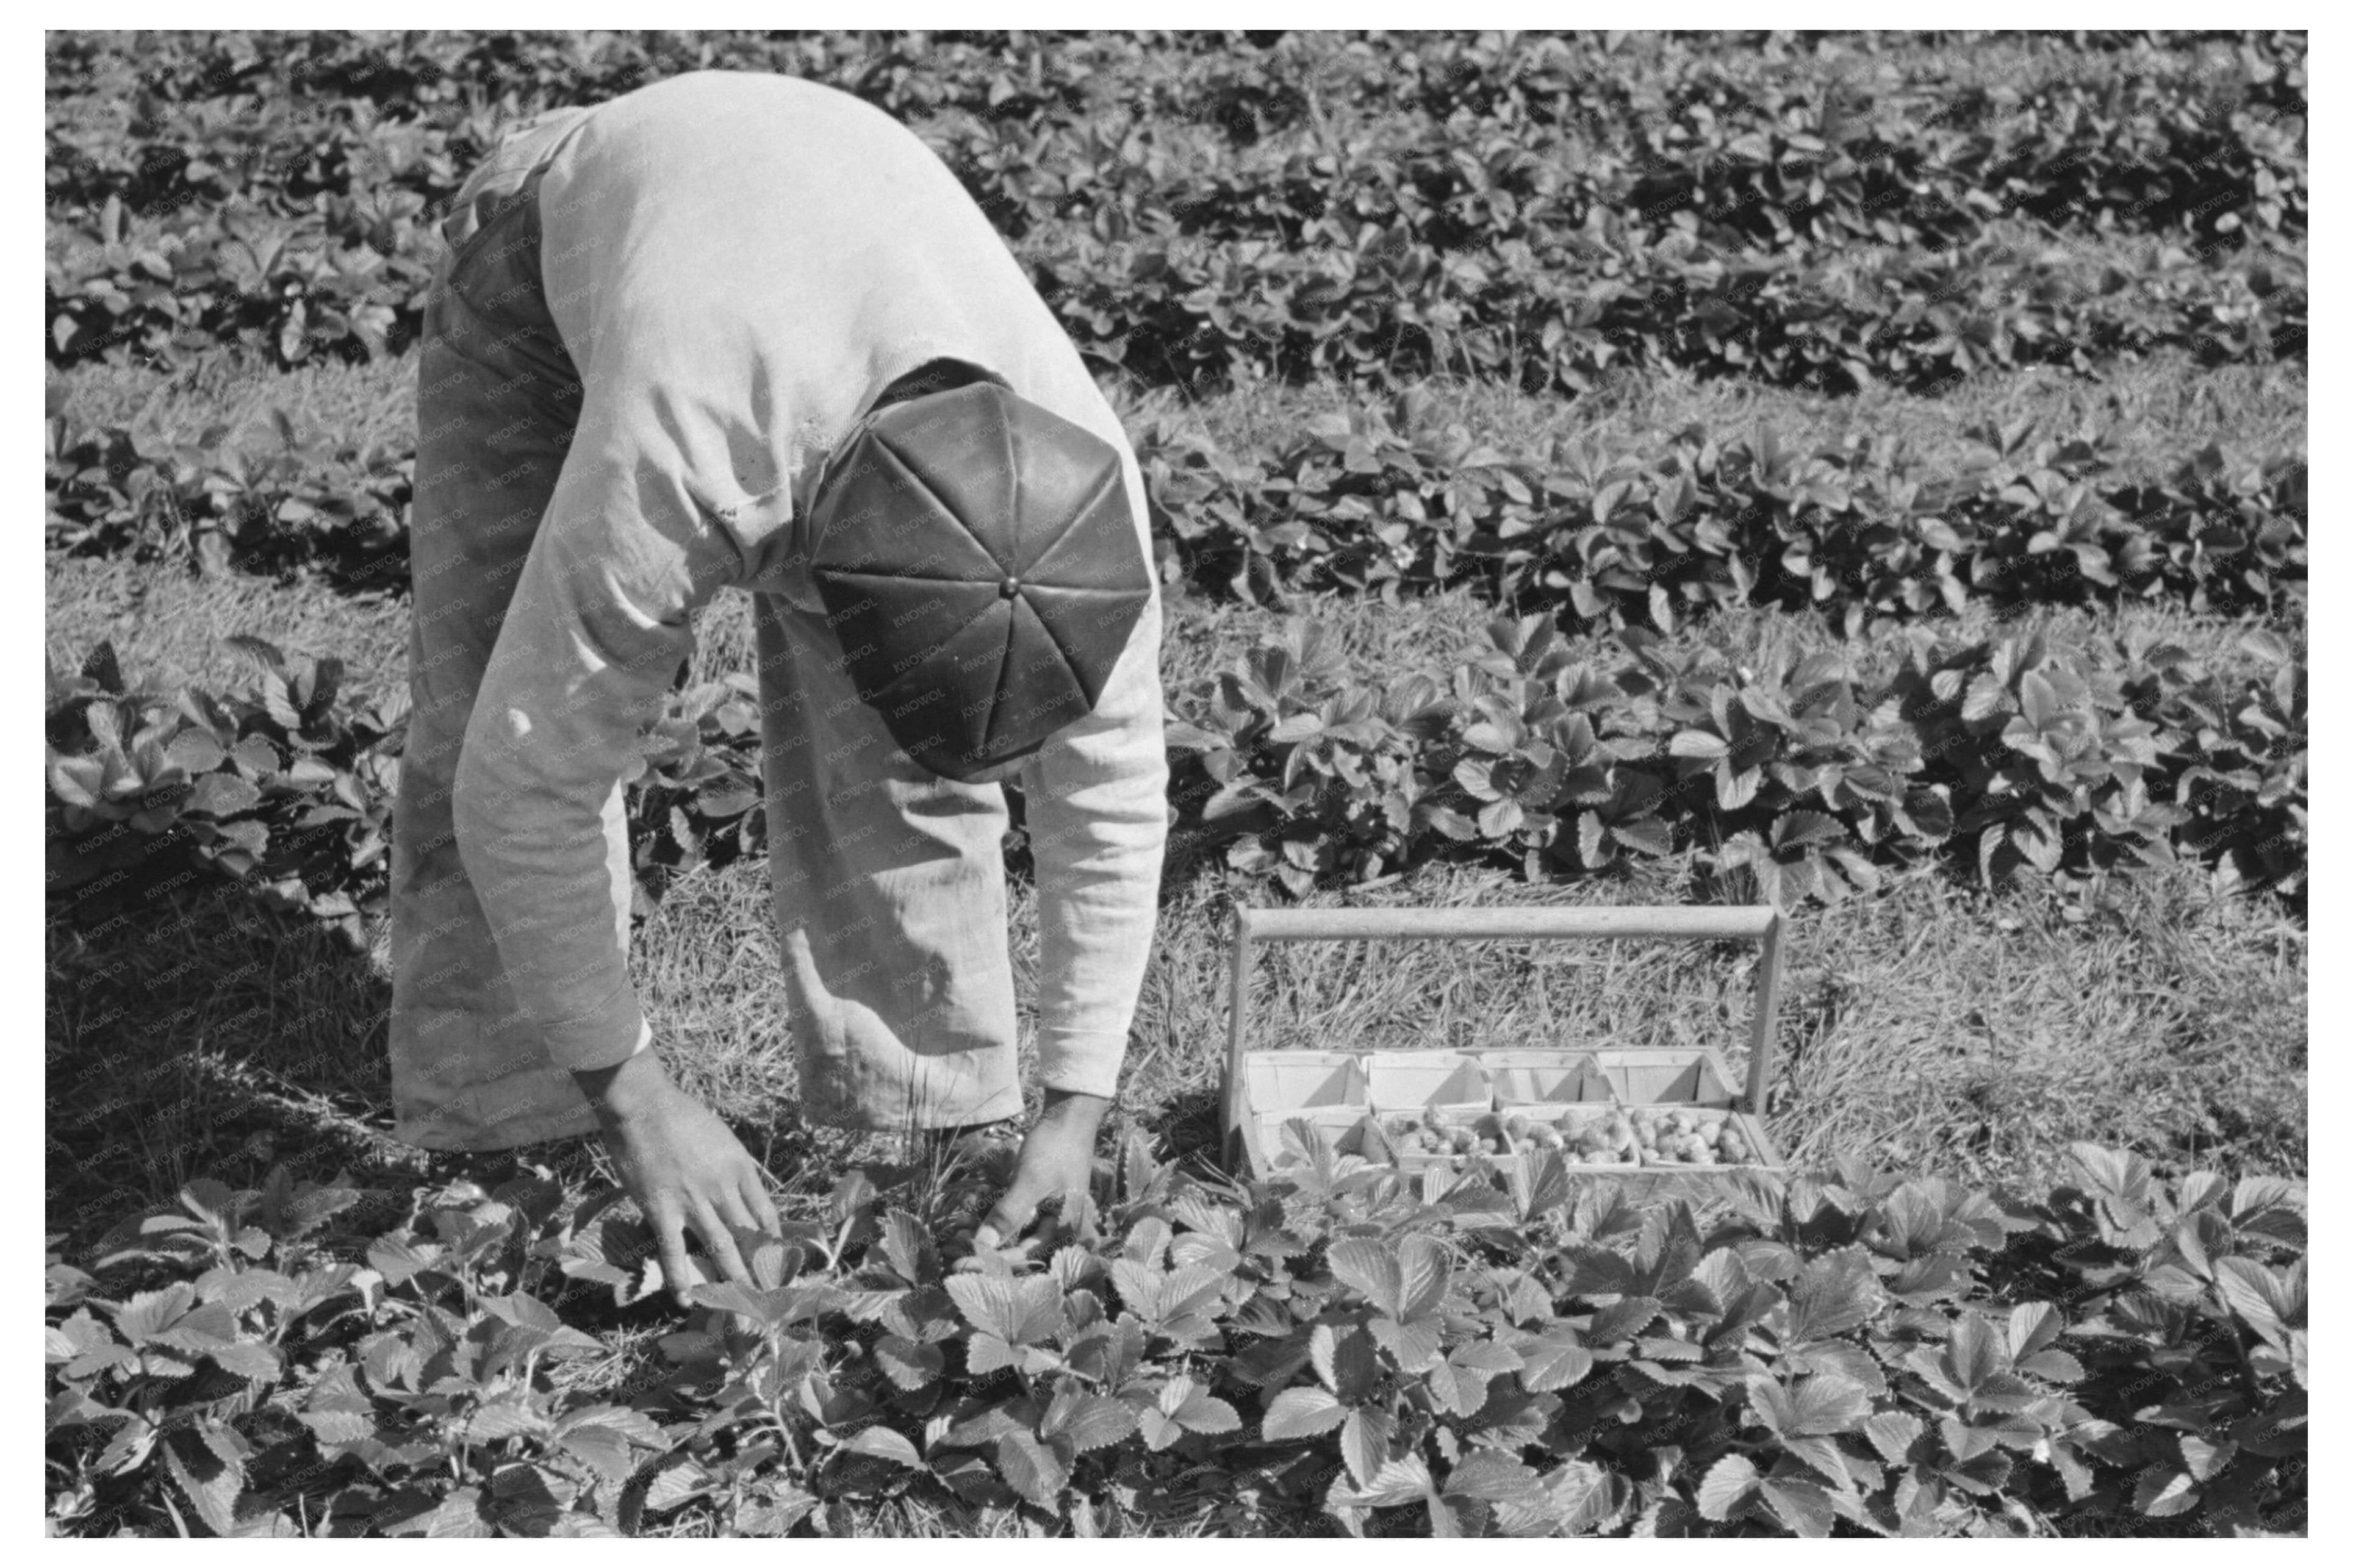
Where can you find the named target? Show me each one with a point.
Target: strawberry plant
(342, 508)
(2189, 1345)
(1337, 792)
(1795, 784)
(1838, 1352)
(285, 788)
(2021, 757)
(697, 797)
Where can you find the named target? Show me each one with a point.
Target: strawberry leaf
(1730, 1482)
(1298, 1412)
(882, 1442)
(1364, 1438)
(908, 1364)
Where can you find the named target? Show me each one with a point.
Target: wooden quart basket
(1336, 1090)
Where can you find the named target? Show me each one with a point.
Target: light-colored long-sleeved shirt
(738, 266)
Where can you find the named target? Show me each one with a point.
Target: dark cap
(976, 555)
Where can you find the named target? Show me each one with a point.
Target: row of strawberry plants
(1838, 1352)
(1664, 93)
(1406, 252)
(1773, 148)
(2017, 756)
(1385, 501)
(1371, 302)
(1380, 308)
(285, 788)
(306, 503)
(1761, 142)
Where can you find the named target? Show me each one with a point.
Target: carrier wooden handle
(1667, 921)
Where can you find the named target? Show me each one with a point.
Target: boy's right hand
(683, 1167)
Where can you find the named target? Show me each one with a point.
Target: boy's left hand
(1058, 1160)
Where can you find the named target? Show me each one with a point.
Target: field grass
(1932, 1027)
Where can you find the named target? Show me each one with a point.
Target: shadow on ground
(201, 1033)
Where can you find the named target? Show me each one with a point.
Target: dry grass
(171, 627)
(362, 403)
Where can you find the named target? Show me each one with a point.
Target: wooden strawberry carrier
(1377, 1105)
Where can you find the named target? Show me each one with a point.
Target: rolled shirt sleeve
(597, 627)
(1096, 805)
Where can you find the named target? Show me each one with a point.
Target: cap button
(1010, 587)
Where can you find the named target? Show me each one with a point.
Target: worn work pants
(888, 882)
